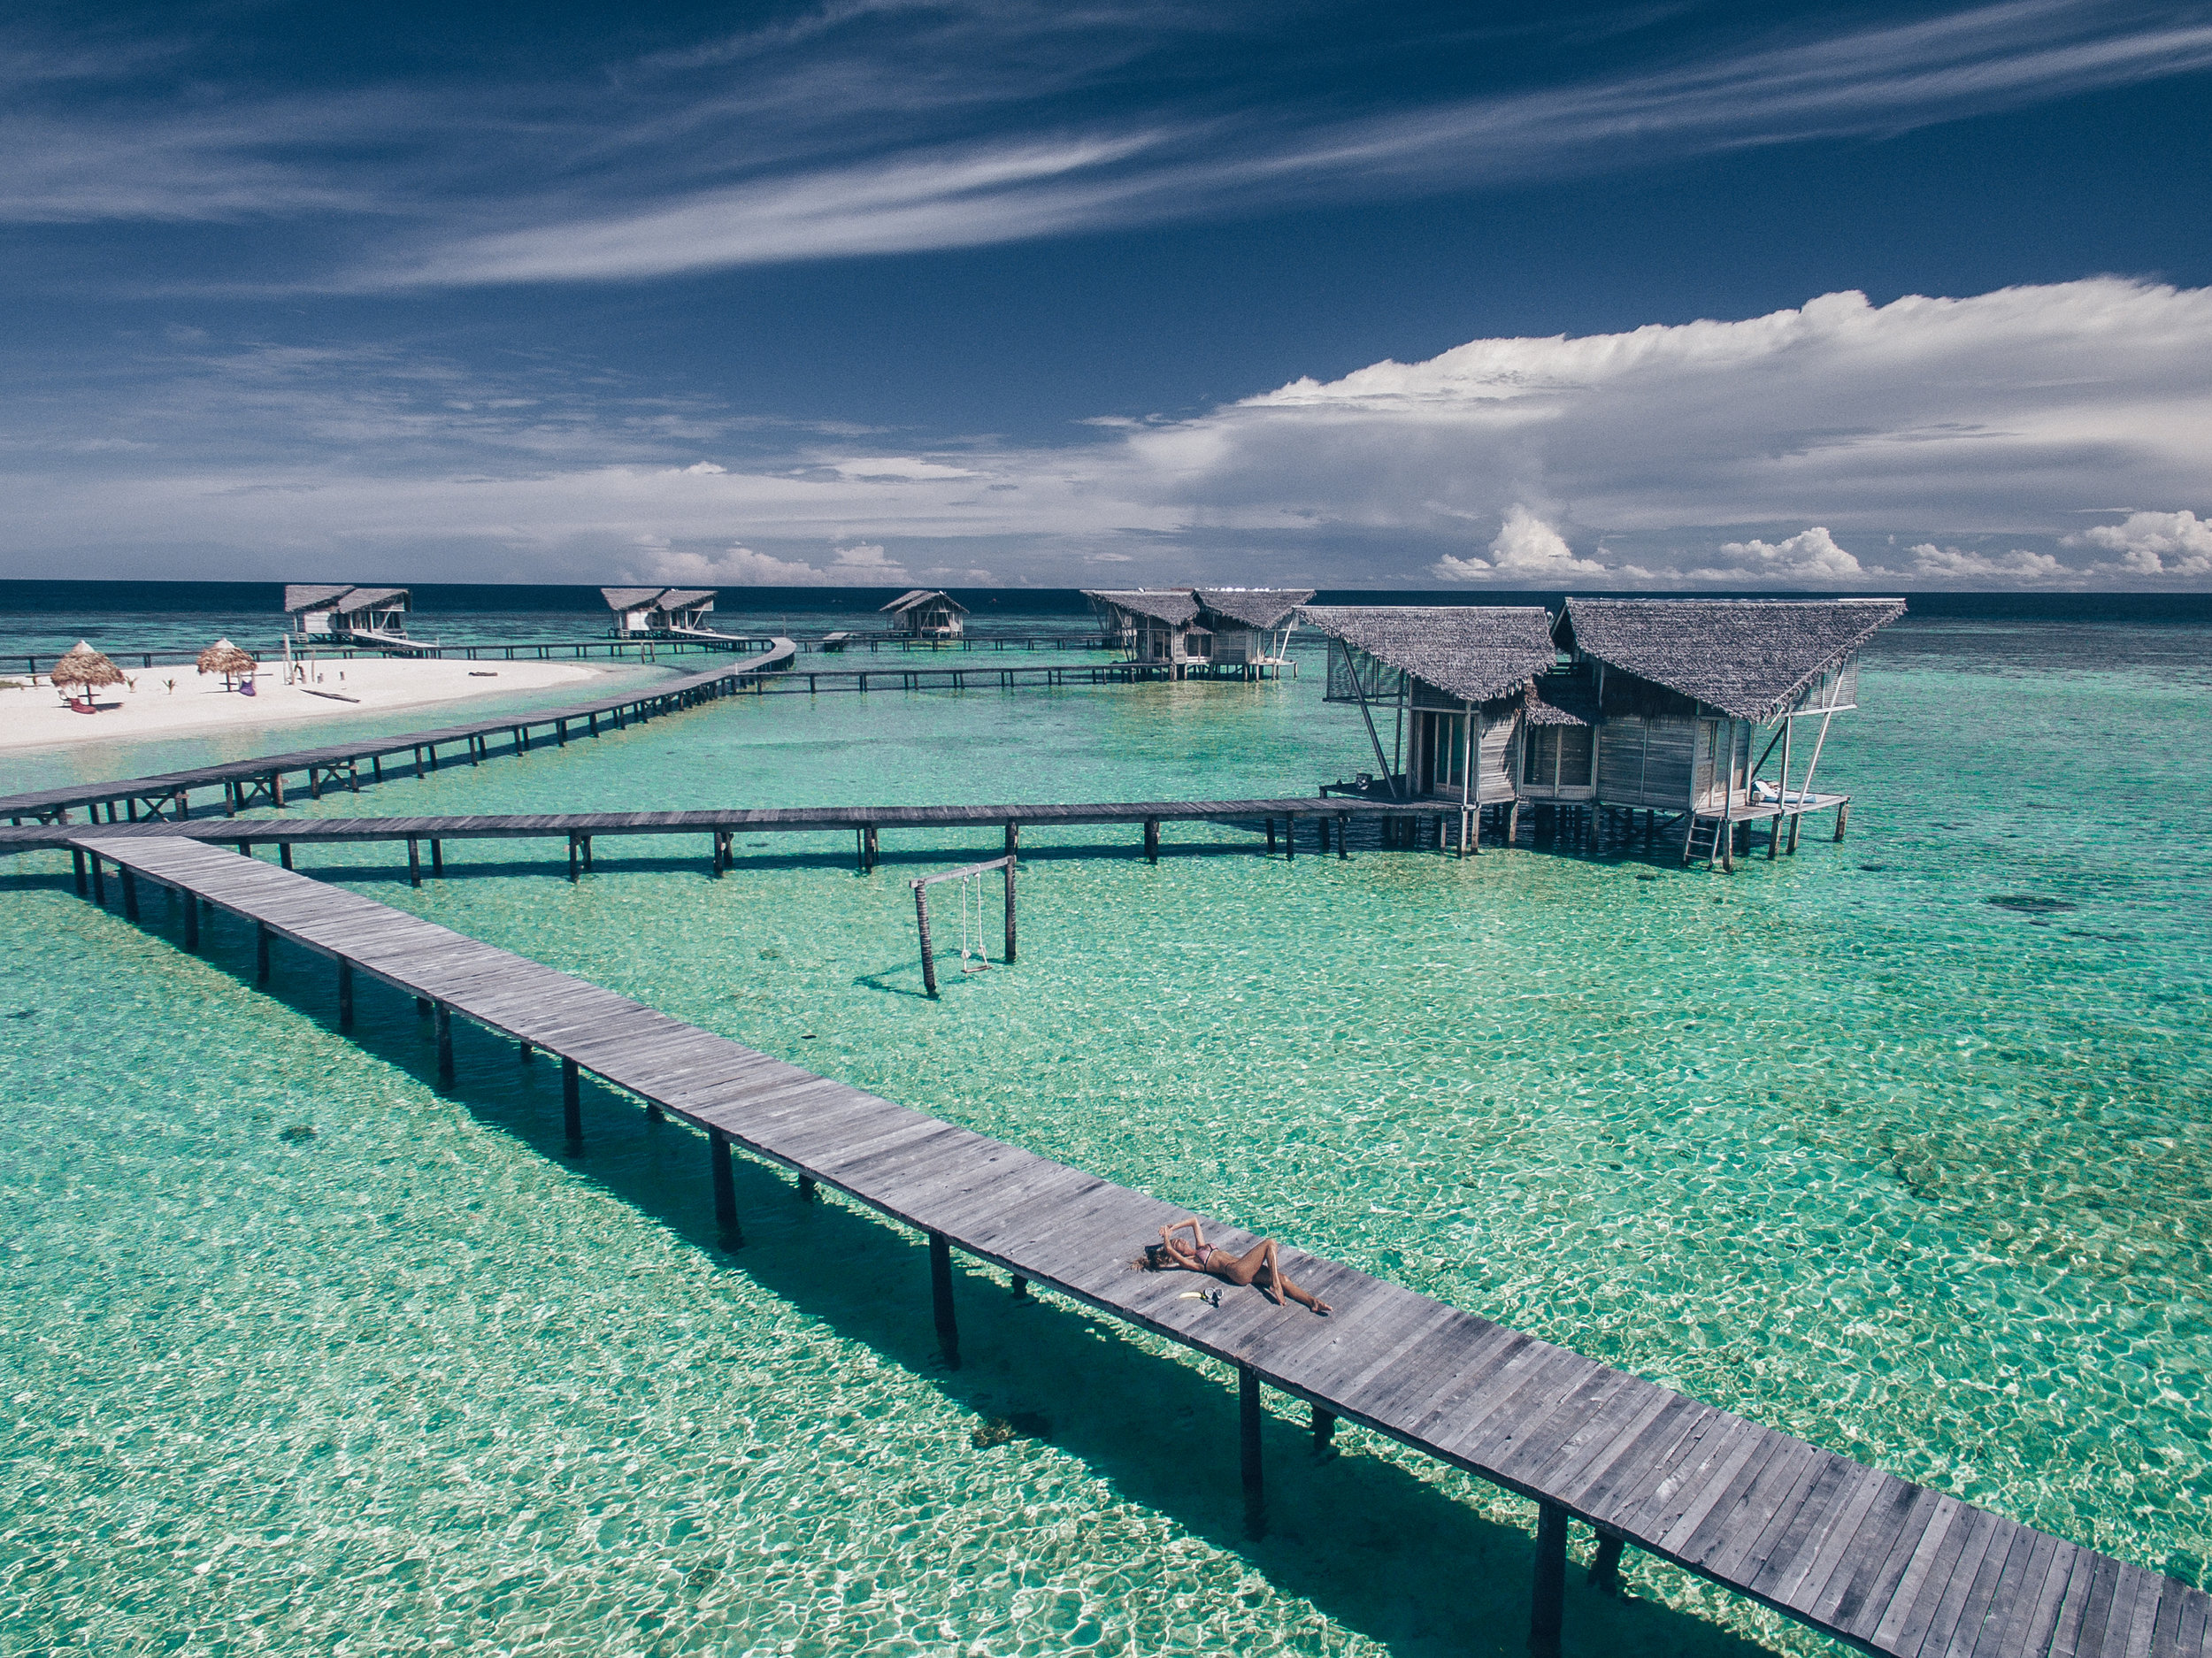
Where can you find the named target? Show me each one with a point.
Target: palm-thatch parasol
(227, 659)
(86, 667)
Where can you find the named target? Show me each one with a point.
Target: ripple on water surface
(301, 1355)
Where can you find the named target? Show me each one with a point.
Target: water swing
(975, 961)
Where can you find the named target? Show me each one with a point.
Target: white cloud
(861, 565)
(2158, 543)
(1527, 550)
(1684, 454)
(1809, 558)
(2018, 568)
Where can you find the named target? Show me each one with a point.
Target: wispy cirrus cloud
(866, 129)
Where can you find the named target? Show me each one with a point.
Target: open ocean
(299, 1354)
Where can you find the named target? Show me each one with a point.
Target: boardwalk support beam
(345, 1013)
(1249, 1451)
(260, 953)
(1324, 1430)
(572, 1105)
(940, 1299)
(441, 1022)
(1546, 1611)
(724, 1189)
(1605, 1567)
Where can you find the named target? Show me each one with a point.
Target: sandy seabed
(175, 701)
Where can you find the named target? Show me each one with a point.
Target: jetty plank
(1887, 1565)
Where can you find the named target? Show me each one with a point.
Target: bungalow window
(1559, 756)
(1198, 643)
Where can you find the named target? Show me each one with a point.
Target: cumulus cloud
(2158, 543)
(1526, 549)
(862, 564)
(1693, 453)
(1810, 558)
(2018, 568)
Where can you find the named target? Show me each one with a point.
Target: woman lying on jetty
(1257, 1265)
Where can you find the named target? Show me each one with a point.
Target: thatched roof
(1175, 606)
(1747, 657)
(222, 656)
(1254, 607)
(1564, 699)
(83, 666)
(684, 598)
(629, 598)
(302, 596)
(907, 600)
(1472, 652)
(373, 599)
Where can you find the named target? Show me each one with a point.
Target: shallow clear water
(1835, 1141)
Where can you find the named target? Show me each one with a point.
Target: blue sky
(1639, 296)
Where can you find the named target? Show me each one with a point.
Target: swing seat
(978, 966)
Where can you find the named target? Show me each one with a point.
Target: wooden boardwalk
(1328, 818)
(1887, 1565)
(260, 780)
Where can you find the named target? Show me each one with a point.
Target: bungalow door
(1440, 759)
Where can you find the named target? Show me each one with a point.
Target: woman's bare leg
(1246, 1267)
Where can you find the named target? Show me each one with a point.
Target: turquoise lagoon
(301, 1355)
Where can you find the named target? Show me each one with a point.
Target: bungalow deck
(1876, 1560)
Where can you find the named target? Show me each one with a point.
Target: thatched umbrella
(85, 667)
(227, 659)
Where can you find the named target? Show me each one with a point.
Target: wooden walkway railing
(1887, 1565)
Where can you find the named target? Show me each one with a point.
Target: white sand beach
(34, 717)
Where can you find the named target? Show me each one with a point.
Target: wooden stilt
(1271, 837)
(571, 1104)
(1009, 909)
(422, 1007)
(1290, 840)
(442, 1021)
(414, 862)
(191, 923)
(921, 926)
(575, 859)
(1605, 1569)
(940, 1299)
(1019, 1285)
(1248, 1452)
(1547, 1613)
(260, 953)
(1843, 818)
(587, 854)
(1797, 823)
(806, 1188)
(130, 893)
(1324, 1430)
(345, 1013)
(1513, 823)
(725, 1190)
(76, 862)
(437, 857)
(99, 883)
(284, 854)
(1343, 824)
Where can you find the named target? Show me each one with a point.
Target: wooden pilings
(191, 923)
(1843, 818)
(940, 1299)
(1343, 826)
(1605, 1566)
(1547, 1604)
(284, 855)
(345, 1017)
(99, 883)
(571, 1104)
(441, 1022)
(437, 857)
(921, 926)
(414, 862)
(806, 1188)
(575, 855)
(1152, 840)
(260, 953)
(76, 860)
(1324, 1431)
(1248, 1413)
(724, 1189)
(130, 894)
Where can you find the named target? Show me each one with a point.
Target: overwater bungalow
(338, 614)
(925, 613)
(1682, 690)
(659, 609)
(1444, 693)
(1220, 632)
